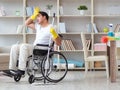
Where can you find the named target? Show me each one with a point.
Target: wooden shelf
(71, 50)
(11, 34)
(11, 16)
(30, 33)
(106, 16)
(71, 33)
(4, 54)
(74, 16)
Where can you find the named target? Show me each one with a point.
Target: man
(44, 31)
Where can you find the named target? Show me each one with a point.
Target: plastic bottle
(110, 27)
(111, 33)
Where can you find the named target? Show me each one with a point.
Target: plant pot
(82, 12)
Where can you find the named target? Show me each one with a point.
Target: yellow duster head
(111, 38)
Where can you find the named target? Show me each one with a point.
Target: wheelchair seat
(40, 49)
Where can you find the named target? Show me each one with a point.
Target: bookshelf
(74, 23)
(8, 26)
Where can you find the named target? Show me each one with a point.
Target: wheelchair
(45, 64)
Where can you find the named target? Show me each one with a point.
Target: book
(61, 10)
(89, 28)
(68, 42)
(71, 45)
(19, 29)
(95, 28)
(88, 45)
(29, 30)
(29, 11)
(117, 28)
(2, 11)
(67, 45)
(62, 27)
(64, 45)
(88, 42)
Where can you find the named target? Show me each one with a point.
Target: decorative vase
(82, 12)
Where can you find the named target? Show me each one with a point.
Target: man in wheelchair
(39, 22)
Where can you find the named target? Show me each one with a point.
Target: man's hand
(36, 12)
(55, 36)
(53, 32)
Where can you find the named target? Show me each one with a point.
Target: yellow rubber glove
(53, 32)
(36, 12)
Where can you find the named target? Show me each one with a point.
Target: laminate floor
(95, 80)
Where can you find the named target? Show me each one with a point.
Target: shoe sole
(8, 75)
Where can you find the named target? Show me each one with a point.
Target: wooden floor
(95, 80)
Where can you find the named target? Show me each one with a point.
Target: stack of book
(117, 28)
(67, 45)
(100, 47)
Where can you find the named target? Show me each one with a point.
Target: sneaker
(20, 72)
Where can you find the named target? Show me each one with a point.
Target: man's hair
(44, 14)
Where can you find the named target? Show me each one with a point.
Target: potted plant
(49, 7)
(82, 9)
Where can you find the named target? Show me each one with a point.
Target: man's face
(40, 18)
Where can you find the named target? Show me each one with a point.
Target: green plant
(82, 7)
(49, 7)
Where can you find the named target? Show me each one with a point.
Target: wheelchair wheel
(31, 79)
(55, 68)
(34, 69)
(17, 78)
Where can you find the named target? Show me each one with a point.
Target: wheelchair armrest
(60, 35)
